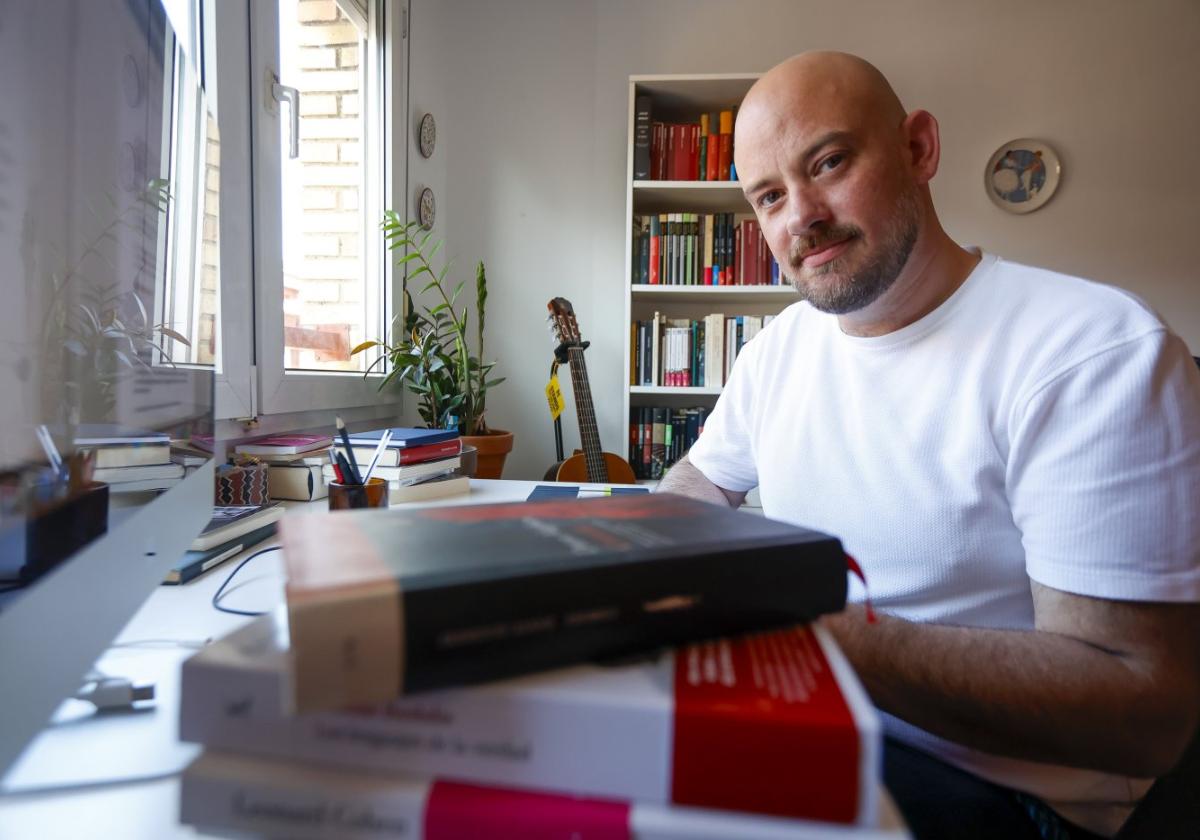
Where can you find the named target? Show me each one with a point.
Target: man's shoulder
(1072, 313)
(1049, 294)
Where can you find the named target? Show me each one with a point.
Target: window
(305, 276)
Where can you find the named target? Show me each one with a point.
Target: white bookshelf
(682, 98)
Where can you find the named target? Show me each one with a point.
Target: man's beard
(830, 288)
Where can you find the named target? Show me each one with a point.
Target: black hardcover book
(387, 602)
(642, 107)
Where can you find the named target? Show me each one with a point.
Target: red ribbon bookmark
(857, 571)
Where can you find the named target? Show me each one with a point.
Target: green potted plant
(431, 353)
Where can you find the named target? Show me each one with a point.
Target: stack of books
(231, 530)
(294, 464)
(418, 464)
(129, 460)
(503, 671)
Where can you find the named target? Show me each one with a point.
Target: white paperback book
(224, 792)
(775, 723)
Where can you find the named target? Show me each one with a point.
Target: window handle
(283, 93)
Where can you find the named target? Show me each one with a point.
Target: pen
(353, 476)
(384, 440)
(337, 469)
(348, 476)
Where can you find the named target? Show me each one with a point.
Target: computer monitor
(108, 321)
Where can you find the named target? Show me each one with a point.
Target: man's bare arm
(1109, 685)
(686, 480)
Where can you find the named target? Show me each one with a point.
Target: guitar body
(574, 470)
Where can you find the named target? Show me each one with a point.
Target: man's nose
(806, 211)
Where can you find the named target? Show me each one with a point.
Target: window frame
(279, 390)
(253, 391)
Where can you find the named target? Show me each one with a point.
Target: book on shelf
(682, 427)
(148, 472)
(229, 521)
(299, 482)
(224, 792)
(445, 596)
(725, 146)
(439, 487)
(285, 445)
(408, 473)
(701, 249)
(771, 723)
(643, 107)
(195, 563)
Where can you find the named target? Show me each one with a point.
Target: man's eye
(831, 162)
(769, 198)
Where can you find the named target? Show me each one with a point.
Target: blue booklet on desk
(404, 438)
(574, 491)
(195, 563)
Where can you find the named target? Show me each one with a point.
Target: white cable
(106, 692)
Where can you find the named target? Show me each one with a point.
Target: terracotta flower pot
(490, 451)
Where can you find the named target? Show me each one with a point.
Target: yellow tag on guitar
(554, 397)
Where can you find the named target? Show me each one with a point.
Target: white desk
(81, 748)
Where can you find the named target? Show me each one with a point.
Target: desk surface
(123, 768)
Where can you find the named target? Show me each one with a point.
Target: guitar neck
(588, 432)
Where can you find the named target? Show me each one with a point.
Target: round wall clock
(427, 136)
(1022, 175)
(426, 208)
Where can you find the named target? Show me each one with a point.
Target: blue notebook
(196, 563)
(404, 438)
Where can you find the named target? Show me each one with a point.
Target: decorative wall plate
(1022, 175)
(427, 136)
(426, 208)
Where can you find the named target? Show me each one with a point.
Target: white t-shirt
(1032, 426)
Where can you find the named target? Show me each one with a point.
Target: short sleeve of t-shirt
(1104, 473)
(724, 452)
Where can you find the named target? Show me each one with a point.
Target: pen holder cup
(373, 494)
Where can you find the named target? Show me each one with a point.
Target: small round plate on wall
(426, 208)
(1022, 175)
(427, 136)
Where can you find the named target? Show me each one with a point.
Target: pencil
(354, 476)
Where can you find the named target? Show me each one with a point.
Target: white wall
(532, 111)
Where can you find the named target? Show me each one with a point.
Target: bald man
(1011, 454)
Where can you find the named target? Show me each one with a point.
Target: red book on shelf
(672, 136)
(693, 173)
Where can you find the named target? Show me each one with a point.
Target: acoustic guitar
(593, 464)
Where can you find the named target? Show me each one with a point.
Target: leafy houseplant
(431, 354)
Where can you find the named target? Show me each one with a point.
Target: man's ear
(923, 145)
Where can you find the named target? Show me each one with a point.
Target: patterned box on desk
(244, 484)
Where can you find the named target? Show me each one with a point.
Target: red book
(672, 131)
(711, 163)
(693, 173)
